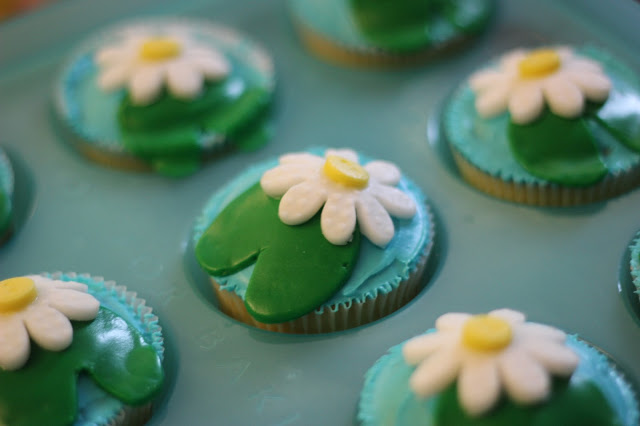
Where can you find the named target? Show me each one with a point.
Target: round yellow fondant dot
(486, 333)
(159, 49)
(345, 172)
(16, 293)
(539, 63)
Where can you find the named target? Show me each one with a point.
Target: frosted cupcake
(165, 94)
(495, 369)
(307, 243)
(554, 126)
(76, 350)
(387, 32)
(6, 195)
(634, 251)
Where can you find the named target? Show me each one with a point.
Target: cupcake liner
(549, 194)
(335, 317)
(135, 311)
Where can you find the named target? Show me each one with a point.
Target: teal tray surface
(560, 266)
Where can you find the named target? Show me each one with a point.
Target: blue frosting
(6, 189)
(635, 262)
(92, 113)
(386, 398)
(95, 406)
(377, 270)
(484, 142)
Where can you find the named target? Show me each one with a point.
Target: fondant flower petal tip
(39, 308)
(347, 193)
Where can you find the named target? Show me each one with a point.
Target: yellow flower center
(345, 172)
(486, 333)
(159, 49)
(539, 63)
(16, 293)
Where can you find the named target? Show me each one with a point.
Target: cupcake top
(54, 330)
(496, 369)
(6, 192)
(635, 262)
(302, 219)
(553, 114)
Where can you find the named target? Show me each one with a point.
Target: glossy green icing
(107, 349)
(557, 149)
(168, 132)
(575, 403)
(296, 268)
(620, 115)
(413, 24)
(5, 212)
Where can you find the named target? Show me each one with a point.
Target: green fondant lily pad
(620, 116)
(296, 268)
(572, 403)
(108, 349)
(557, 149)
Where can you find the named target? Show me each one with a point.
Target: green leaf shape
(620, 115)
(296, 268)
(406, 25)
(108, 349)
(572, 403)
(169, 132)
(557, 149)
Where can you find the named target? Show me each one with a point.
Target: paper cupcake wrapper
(541, 194)
(335, 318)
(128, 305)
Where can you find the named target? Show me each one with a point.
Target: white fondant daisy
(144, 61)
(41, 308)
(488, 353)
(347, 190)
(525, 79)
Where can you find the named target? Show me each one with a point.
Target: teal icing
(635, 262)
(484, 143)
(6, 191)
(386, 398)
(333, 19)
(95, 406)
(91, 113)
(377, 271)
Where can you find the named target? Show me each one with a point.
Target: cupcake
(634, 251)
(387, 32)
(76, 350)
(553, 126)
(496, 369)
(6, 195)
(165, 94)
(306, 243)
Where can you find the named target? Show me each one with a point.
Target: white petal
(384, 172)
(594, 86)
(556, 358)
(420, 347)
(145, 84)
(436, 372)
(48, 328)
(68, 285)
(114, 77)
(523, 377)
(583, 64)
(14, 343)
(74, 305)
(374, 220)
(110, 56)
(511, 60)
(533, 330)
(183, 80)
(493, 102)
(277, 181)
(396, 202)
(478, 384)
(485, 80)
(564, 97)
(301, 202)
(511, 316)
(347, 154)
(302, 158)
(526, 103)
(452, 321)
(338, 219)
(213, 65)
